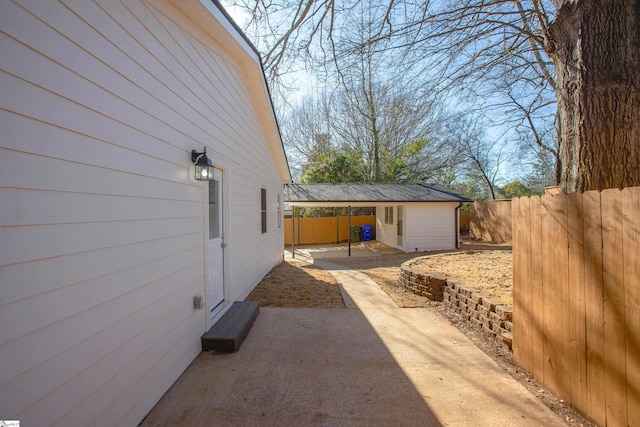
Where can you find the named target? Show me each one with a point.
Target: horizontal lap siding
(102, 230)
(386, 233)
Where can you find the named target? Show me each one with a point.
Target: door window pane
(214, 209)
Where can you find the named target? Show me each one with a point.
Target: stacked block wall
(468, 304)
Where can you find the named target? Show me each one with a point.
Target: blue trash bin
(367, 232)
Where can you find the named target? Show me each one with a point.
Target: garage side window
(263, 209)
(388, 215)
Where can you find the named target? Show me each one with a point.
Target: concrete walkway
(372, 364)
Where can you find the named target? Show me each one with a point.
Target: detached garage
(410, 217)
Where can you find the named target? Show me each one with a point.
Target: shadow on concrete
(371, 364)
(297, 367)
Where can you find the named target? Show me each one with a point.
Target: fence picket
(614, 324)
(525, 280)
(517, 293)
(631, 249)
(577, 315)
(536, 311)
(521, 295)
(595, 315)
(549, 297)
(561, 282)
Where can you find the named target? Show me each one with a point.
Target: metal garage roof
(367, 194)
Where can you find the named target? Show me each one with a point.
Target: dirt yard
(491, 272)
(296, 283)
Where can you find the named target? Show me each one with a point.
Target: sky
(304, 83)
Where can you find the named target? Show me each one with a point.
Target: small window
(263, 209)
(388, 215)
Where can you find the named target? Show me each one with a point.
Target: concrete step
(230, 330)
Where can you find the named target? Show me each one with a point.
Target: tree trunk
(595, 46)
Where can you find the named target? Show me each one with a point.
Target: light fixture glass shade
(204, 167)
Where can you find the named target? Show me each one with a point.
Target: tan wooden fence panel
(464, 220)
(577, 309)
(490, 220)
(323, 230)
(631, 240)
(577, 299)
(534, 265)
(614, 329)
(594, 315)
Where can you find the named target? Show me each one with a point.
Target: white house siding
(386, 233)
(430, 226)
(102, 230)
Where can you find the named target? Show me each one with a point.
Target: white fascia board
(333, 204)
(366, 204)
(231, 31)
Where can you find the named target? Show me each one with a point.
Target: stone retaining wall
(470, 305)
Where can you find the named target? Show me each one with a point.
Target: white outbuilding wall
(103, 230)
(427, 226)
(430, 226)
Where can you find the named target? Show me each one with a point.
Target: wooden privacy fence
(464, 220)
(323, 230)
(490, 220)
(576, 293)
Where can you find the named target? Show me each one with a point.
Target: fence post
(335, 213)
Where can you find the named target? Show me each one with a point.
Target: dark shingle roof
(379, 193)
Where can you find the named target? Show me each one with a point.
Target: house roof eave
(350, 194)
(213, 19)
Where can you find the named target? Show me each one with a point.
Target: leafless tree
(482, 155)
(462, 43)
(391, 121)
(399, 135)
(306, 131)
(497, 52)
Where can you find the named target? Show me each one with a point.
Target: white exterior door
(215, 269)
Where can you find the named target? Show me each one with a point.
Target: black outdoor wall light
(204, 167)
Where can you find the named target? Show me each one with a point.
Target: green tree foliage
(515, 189)
(335, 167)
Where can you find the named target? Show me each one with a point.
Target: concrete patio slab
(358, 290)
(371, 365)
(339, 250)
